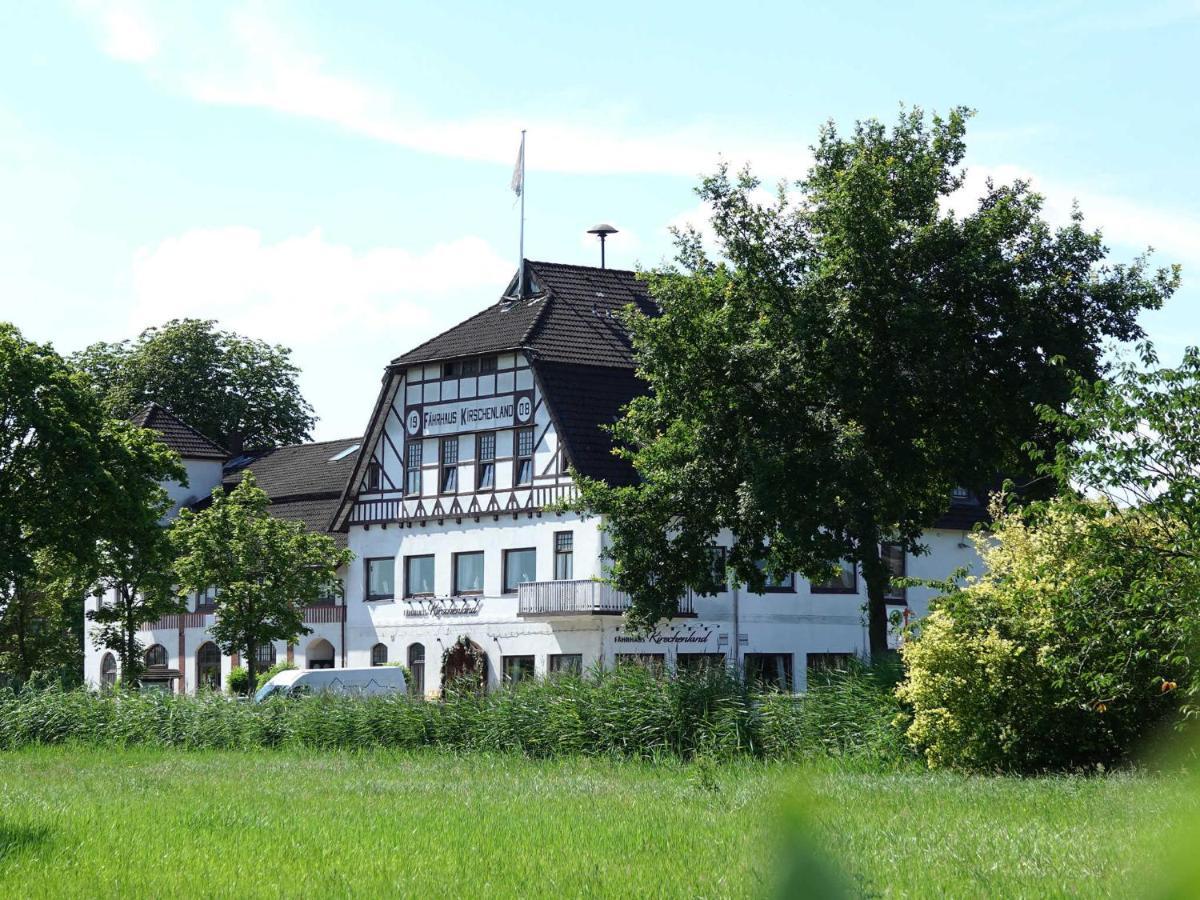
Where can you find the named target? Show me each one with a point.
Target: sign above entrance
(459, 416)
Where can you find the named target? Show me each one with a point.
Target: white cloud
(306, 290)
(252, 61)
(125, 29)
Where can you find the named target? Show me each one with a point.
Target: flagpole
(521, 262)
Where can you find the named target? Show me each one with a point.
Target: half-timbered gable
(488, 417)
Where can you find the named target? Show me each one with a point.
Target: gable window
(371, 482)
(776, 584)
(845, 581)
(520, 566)
(418, 576)
(468, 573)
(381, 578)
(564, 555)
(412, 469)
(769, 671)
(893, 555)
(487, 365)
(468, 368)
(524, 461)
(448, 480)
(486, 465)
(716, 577)
(450, 369)
(156, 657)
(379, 655)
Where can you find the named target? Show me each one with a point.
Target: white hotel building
(447, 502)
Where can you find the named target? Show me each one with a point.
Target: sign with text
(693, 634)
(460, 416)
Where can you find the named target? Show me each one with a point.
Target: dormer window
(371, 482)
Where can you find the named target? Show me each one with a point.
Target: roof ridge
(154, 406)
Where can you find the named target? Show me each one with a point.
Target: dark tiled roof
(177, 434)
(963, 514)
(570, 318)
(582, 400)
(300, 470)
(303, 481)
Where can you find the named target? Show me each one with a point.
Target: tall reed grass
(629, 711)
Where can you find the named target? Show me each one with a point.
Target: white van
(353, 682)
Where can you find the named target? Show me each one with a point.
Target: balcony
(316, 614)
(579, 598)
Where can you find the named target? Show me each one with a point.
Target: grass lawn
(96, 823)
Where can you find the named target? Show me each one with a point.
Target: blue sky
(335, 176)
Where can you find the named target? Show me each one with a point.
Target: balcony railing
(317, 614)
(579, 598)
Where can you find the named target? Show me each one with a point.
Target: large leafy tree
(66, 473)
(241, 393)
(854, 353)
(132, 563)
(264, 569)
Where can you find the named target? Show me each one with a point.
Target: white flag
(518, 179)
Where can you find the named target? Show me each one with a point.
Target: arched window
(379, 655)
(416, 667)
(108, 670)
(208, 667)
(264, 655)
(156, 657)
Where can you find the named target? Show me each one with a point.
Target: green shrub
(629, 711)
(1068, 652)
(238, 681)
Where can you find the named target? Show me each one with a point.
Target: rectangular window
(381, 578)
(450, 369)
(697, 662)
(829, 662)
(520, 566)
(655, 662)
(412, 471)
(716, 581)
(844, 582)
(565, 663)
(769, 671)
(469, 368)
(468, 573)
(206, 599)
(524, 461)
(418, 576)
(448, 480)
(893, 559)
(960, 493)
(487, 365)
(516, 669)
(486, 462)
(775, 584)
(564, 556)
(371, 482)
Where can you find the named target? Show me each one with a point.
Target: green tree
(264, 569)
(856, 353)
(239, 392)
(132, 565)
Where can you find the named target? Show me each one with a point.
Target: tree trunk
(876, 575)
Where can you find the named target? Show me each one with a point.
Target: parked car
(352, 682)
